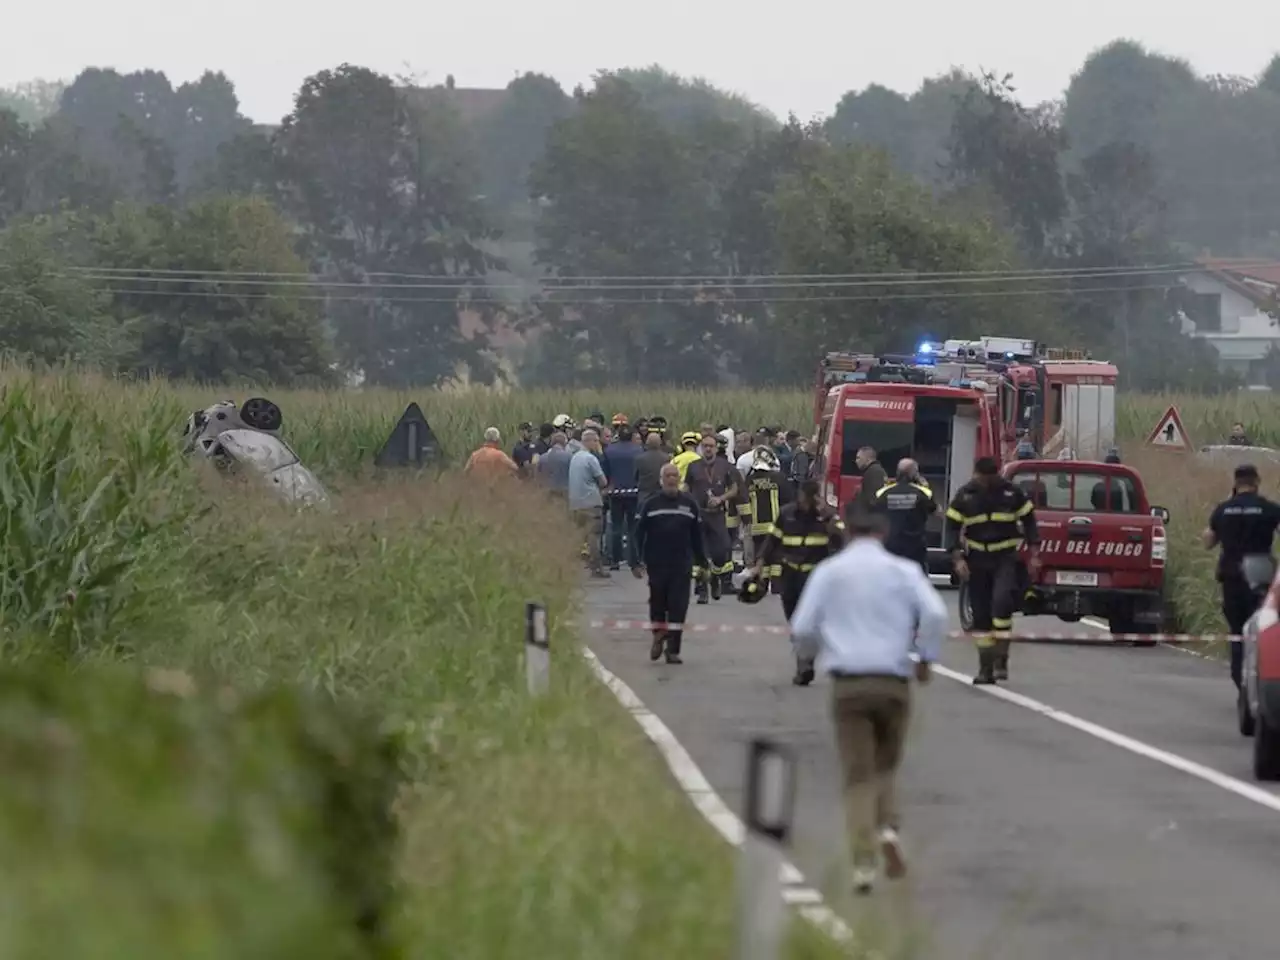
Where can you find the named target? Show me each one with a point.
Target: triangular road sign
(412, 442)
(1169, 433)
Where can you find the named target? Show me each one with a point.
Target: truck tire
(1266, 751)
(1122, 621)
(1244, 716)
(964, 607)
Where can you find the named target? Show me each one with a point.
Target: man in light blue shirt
(586, 502)
(872, 620)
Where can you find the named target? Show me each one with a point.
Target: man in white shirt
(872, 621)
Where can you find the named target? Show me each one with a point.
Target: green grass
(533, 828)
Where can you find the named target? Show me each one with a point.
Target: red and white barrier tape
(1080, 638)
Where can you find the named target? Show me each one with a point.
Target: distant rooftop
(1259, 280)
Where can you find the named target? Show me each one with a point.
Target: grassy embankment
(531, 829)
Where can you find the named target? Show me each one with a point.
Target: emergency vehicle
(1062, 401)
(1103, 546)
(895, 406)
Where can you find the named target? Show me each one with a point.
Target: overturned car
(247, 438)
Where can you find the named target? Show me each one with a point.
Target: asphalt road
(1028, 838)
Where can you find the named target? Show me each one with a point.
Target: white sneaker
(895, 863)
(864, 878)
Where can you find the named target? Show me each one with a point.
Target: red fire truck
(895, 406)
(1059, 400)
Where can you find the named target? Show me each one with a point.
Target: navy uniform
(706, 479)
(907, 504)
(1242, 526)
(987, 511)
(801, 539)
(669, 546)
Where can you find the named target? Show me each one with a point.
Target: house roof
(1257, 280)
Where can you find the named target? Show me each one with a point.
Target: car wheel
(1244, 715)
(965, 607)
(1266, 750)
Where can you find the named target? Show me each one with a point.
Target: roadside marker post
(537, 649)
(769, 811)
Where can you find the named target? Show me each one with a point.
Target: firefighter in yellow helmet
(688, 453)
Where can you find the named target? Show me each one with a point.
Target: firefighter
(768, 491)
(711, 485)
(987, 511)
(687, 455)
(805, 533)
(907, 503)
(668, 548)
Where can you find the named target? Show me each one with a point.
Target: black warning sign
(412, 442)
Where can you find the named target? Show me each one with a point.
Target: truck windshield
(1080, 492)
(891, 442)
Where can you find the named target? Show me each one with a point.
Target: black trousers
(1238, 605)
(993, 587)
(669, 589)
(715, 535)
(916, 552)
(793, 582)
(622, 521)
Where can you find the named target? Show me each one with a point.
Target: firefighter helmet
(763, 458)
(752, 590)
(689, 438)
(619, 419)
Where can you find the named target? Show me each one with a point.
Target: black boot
(659, 642)
(673, 647)
(986, 666)
(1001, 660)
(716, 586)
(804, 673)
(700, 591)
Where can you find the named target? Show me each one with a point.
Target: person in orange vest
(490, 459)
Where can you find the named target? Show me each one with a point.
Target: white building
(1226, 304)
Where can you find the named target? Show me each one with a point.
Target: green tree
(46, 314)
(851, 213)
(511, 139)
(1000, 146)
(33, 101)
(186, 299)
(681, 102)
(626, 195)
(374, 200)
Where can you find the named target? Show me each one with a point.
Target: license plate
(1070, 578)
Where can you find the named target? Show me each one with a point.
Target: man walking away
(907, 503)
(1243, 525)
(987, 511)
(586, 500)
(669, 546)
(873, 478)
(553, 468)
(620, 459)
(863, 615)
(649, 466)
(489, 459)
(805, 533)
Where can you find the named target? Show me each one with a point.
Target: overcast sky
(788, 55)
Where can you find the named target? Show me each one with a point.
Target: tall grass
(534, 828)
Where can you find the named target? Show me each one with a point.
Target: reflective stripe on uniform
(802, 567)
(982, 641)
(954, 514)
(809, 540)
(1023, 510)
(762, 529)
(1002, 623)
(994, 547)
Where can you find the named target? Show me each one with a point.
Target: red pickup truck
(1102, 545)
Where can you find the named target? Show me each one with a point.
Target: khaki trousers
(871, 714)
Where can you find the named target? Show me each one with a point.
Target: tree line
(643, 229)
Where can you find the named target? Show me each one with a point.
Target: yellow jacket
(682, 461)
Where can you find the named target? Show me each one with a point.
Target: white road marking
(795, 892)
(1240, 788)
(1103, 625)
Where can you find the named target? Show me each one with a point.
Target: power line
(462, 284)
(723, 279)
(601, 301)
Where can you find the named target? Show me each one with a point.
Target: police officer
(1243, 525)
(986, 512)
(908, 504)
(710, 484)
(805, 533)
